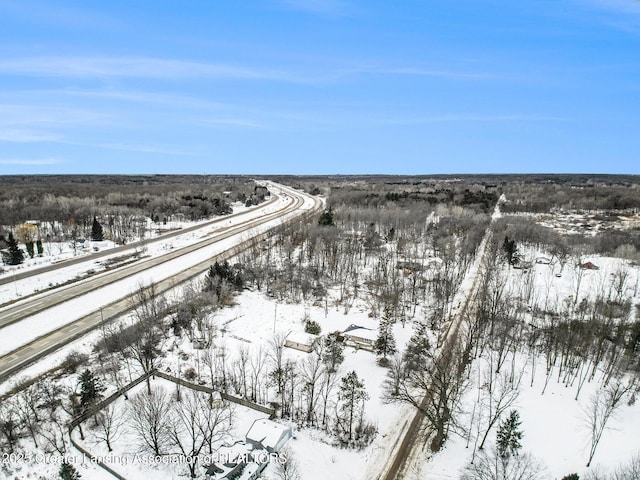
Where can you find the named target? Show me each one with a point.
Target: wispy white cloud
(30, 161)
(28, 136)
(18, 116)
(58, 15)
(123, 67)
(231, 122)
(309, 73)
(621, 6)
(158, 149)
(421, 72)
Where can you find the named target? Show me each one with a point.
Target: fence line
(77, 420)
(225, 396)
(87, 454)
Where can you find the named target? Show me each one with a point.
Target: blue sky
(319, 86)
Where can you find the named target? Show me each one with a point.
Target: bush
(73, 361)
(312, 327)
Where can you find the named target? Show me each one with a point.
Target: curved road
(19, 358)
(130, 246)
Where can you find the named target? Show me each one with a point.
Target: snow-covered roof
(301, 338)
(362, 332)
(269, 434)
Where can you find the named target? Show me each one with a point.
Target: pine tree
(352, 396)
(30, 248)
(509, 435)
(91, 389)
(326, 218)
(511, 250)
(418, 351)
(96, 231)
(333, 351)
(385, 344)
(39, 247)
(68, 472)
(16, 256)
(573, 476)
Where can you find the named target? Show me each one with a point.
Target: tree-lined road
(418, 432)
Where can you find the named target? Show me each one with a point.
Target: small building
(216, 400)
(359, 337)
(268, 435)
(589, 266)
(300, 341)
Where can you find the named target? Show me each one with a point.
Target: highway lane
(12, 314)
(128, 248)
(17, 359)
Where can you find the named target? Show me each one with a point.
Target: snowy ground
(553, 423)
(129, 460)
(554, 430)
(33, 327)
(252, 323)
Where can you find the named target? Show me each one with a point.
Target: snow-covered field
(33, 327)
(554, 423)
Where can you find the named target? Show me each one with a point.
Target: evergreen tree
(509, 435)
(91, 389)
(16, 256)
(333, 351)
(352, 396)
(418, 349)
(30, 248)
(96, 231)
(68, 472)
(326, 218)
(220, 274)
(385, 344)
(573, 476)
(511, 250)
(39, 247)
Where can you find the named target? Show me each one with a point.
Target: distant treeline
(78, 198)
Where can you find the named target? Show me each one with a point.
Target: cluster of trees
(392, 262)
(584, 338)
(187, 422)
(56, 209)
(311, 392)
(583, 193)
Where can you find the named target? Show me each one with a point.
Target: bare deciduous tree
(602, 407)
(109, 425)
(149, 417)
(489, 465)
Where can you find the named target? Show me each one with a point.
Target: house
(359, 337)
(543, 260)
(240, 461)
(300, 341)
(268, 435)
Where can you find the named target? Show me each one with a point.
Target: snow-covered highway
(31, 329)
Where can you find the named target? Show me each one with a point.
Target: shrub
(312, 327)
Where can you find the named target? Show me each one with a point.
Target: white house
(359, 337)
(300, 341)
(269, 435)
